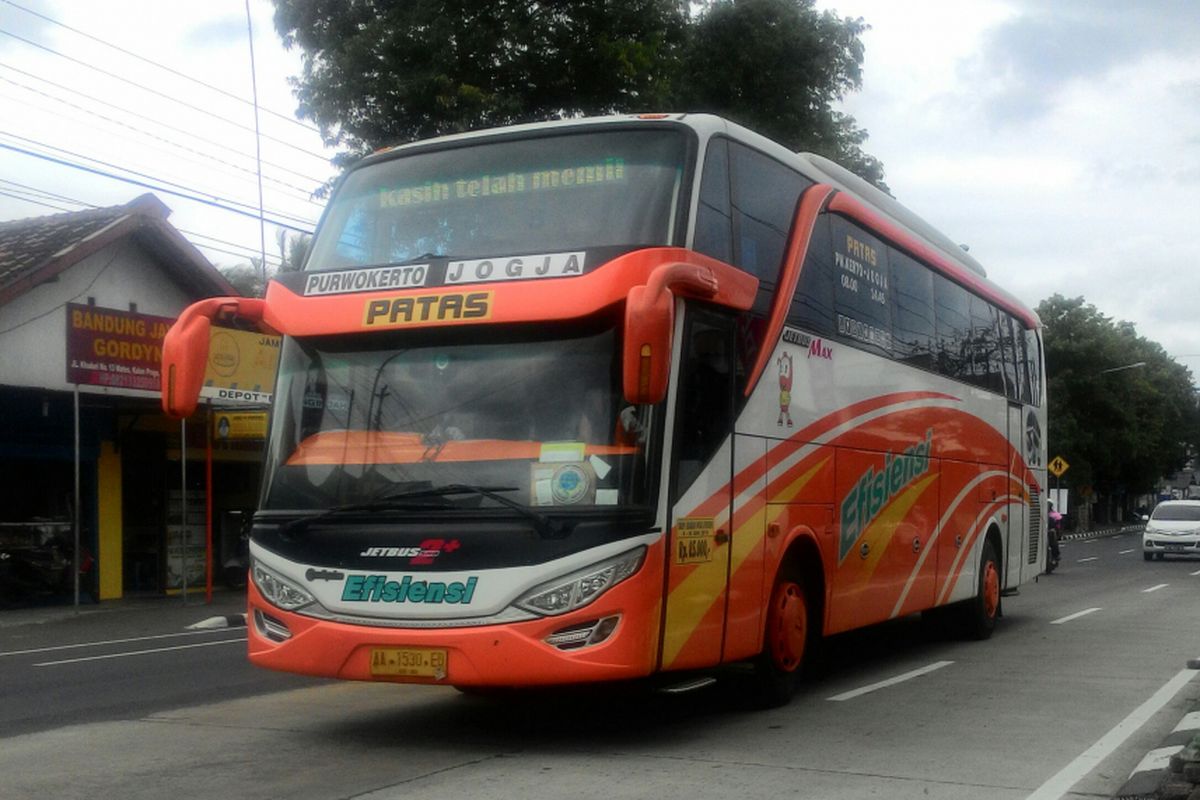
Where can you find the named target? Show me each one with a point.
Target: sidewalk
(181, 610)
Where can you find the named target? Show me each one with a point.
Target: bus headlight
(279, 590)
(580, 588)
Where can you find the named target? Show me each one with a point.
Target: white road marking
(1197, 572)
(1155, 588)
(1127, 552)
(1089, 558)
(1062, 781)
(106, 642)
(138, 652)
(916, 673)
(1076, 615)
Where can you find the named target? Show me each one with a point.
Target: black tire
(981, 611)
(789, 636)
(1147, 556)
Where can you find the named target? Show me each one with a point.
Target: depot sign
(109, 347)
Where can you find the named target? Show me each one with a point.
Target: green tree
(778, 66)
(1121, 427)
(385, 72)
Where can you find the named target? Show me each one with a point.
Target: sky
(1059, 140)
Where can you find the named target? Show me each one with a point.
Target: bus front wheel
(786, 640)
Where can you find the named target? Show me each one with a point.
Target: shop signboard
(241, 367)
(114, 348)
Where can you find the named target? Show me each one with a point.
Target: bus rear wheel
(786, 641)
(981, 612)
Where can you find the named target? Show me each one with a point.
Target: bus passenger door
(1016, 547)
(700, 488)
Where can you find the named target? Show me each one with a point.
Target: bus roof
(816, 167)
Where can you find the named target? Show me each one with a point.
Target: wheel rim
(788, 628)
(991, 589)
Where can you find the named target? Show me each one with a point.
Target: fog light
(271, 628)
(584, 635)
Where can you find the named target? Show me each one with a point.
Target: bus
(605, 399)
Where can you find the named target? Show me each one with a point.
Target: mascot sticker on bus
(785, 388)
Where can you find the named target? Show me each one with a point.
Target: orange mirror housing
(185, 349)
(649, 324)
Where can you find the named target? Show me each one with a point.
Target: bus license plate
(409, 662)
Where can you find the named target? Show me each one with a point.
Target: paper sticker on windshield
(349, 281)
(509, 268)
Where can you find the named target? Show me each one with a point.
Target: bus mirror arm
(649, 324)
(185, 349)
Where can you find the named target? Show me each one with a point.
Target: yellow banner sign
(241, 366)
(239, 425)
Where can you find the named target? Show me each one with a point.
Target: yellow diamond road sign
(1058, 466)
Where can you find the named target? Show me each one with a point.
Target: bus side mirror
(185, 350)
(649, 324)
(646, 360)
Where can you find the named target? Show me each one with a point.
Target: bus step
(689, 685)
(1013, 592)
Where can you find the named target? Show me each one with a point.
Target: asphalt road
(1085, 674)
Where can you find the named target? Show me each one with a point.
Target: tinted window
(1033, 361)
(952, 313)
(812, 305)
(913, 320)
(764, 195)
(862, 289)
(1172, 513)
(714, 236)
(986, 355)
(536, 195)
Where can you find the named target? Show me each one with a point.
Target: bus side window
(704, 416)
(764, 193)
(714, 236)
(952, 306)
(985, 346)
(913, 314)
(812, 305)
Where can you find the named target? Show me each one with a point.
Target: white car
(1173, 528)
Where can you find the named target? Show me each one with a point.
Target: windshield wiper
(381, 504)
(409, 500)
(545, 526)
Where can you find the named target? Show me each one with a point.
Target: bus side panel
(884, 517)
(744, 617)
(964, 515)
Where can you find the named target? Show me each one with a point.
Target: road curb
(1170, 771)
(215, 623)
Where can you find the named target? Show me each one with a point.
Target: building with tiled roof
(85, 298)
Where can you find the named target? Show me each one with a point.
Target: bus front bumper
(543, 651)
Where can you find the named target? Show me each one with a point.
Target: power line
(156, 92)
(22, 188)
(155, 187)
(171, 70)
(307, 194)
(149, 177)
(133, 113)
(31, 200)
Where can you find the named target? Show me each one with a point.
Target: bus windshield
(540, 417)
(518, 196)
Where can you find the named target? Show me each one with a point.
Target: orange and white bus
(607, 398)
